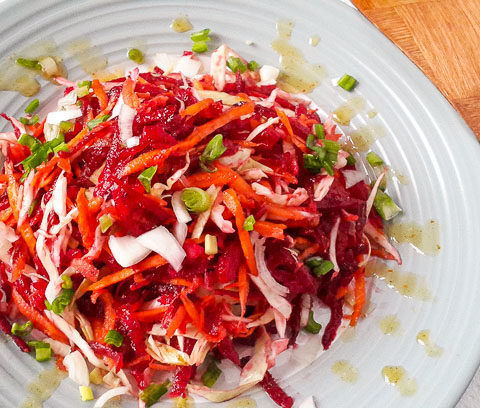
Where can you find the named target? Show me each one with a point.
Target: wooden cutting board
(443, 38)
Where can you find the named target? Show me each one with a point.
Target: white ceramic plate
(426, 141)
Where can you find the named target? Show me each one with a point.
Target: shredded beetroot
(275, 392)
(181, 379)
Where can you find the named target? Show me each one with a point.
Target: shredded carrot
(5, 214)
(94, 204)
(158, 156)
(176, 321)
(341, 292)
(128, 93)
(18, 266)
(307, 253)
(12, 190)
(243, 288)
(359, 295)
(150, 315)
(40, 322)
(100, 93)
(86, 223)
(293, 138)
(282, 212)
(110, 316)
(192, 311)
(49, 179)
(64, 164)
(196, 108)
(162, 367)
(230, 199)
(138, 360)
(269, 229)
(149, 263)
(27, 234)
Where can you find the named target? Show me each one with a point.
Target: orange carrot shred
(176, 321)
(196, 108)
(191, 310)
(150, 315)
(269, 229)
(243, 288)
(100, 93)
(359, 295)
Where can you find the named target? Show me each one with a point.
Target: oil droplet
(397, 376)
(426, 238)
(405, 283)
(184, 402)
(389, 324)
(90, 57)
(348, 334)
(372, 113)
(432, 349)
(314, 40)
(108, 75)
(345, 112)
(181, 24)
(243, 403)
(364, 136)
(345, 371)
(43, 387)
(394, 175)
(297, 75)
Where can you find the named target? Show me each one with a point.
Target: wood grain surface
(442, 37)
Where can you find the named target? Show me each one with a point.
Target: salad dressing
(43, 387)
(365, 136)
(90, 57)
(243, 403)
(181, 24)
(314, 40)
(372, 113)
(345, 371)
(405, 283)
(432, 349)
(389, 325)
(398, 377)
(297, 75)
(425, 237)
(345, 112)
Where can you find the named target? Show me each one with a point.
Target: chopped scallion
(114, 338)
(27, 63)
(29, 121)
(236, 64)
(146, 178)
(200, 35)
(347, 82)
(319, 266)
(312, 326)
(106, 221)
(253, 65)
(67, 282)
(196, 200)
(200, 47)
(319, 130)
(350, 160)
(43, 352)
(81, 84)
(32, 106)
(66, 126)
(249, 223)
(374, 160)
(31, 142)
(62, 300)
(136, 55)
(210, 377)
(385, 206)
(32, 207)
(22, 329)
(86, 393)
(212, 152)
(153, 393)
(95, 122)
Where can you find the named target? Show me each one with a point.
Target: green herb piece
(48, 305)
(146, 177)
(312, 326)
(319, 130)
(86, 393)
(331, 146)
(106, 221)
(200, 47)
(32, 207)
(213, 151)
(319, 266)
(351, 160)
(136, 55)
(374, 160)
(62, 300)
(114, 338)
(43, 352)
(67, 282)
(32, 106)
(385, 206)
(29, 121)
(312, 163)
(66, 126)
(153, 393)
(82, 91)
(31, 142)
(81, 84)
(22, 329)
(210, 377)
(347, 82)
(314, 261)
(196, 200)
(249, 223)
(32, 64)
(311, 143)
(200, 35)
(95, 122)
(253, 65)
(236, 64)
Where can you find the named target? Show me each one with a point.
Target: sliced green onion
(314, 261)
(249, 223)
(153, 393)
(67, 282)
(385, 206)
(95, 376)
(82, 91)
(86, 393)
(31, 142)
(200, 35)
(43, 352)
(200, 47)
(319, 266)
(312, 163)
(48, 305)
(374, 160)
(106, 221)
(312, 326)
(146, 177)
(22, 329)
(211, 245)
(32, 64)
(319, 130)
(94, 122)
(66, 126)
(347, 82)
(331, 146)
(236, 64)
(62, 300)
(136, 55)
(32, 207)
(311, 143)
(213, 151)
(32, 106)
(351, 160)
(81, 84)
(114, 338)
(253, 65)
(196, 200)
(210, 377)
(29, 121)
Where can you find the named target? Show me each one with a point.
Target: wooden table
(443, 38)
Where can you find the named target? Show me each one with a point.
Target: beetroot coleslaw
(160, 223)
